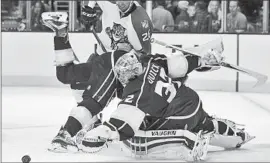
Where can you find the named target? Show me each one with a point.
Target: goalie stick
(261, 79)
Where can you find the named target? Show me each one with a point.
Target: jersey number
(146, 36)
(165, 88)
(129, 99)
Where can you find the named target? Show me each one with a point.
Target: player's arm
(179, 65)
(122, 125)
(176, 65)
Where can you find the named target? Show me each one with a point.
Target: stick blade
(260, 81)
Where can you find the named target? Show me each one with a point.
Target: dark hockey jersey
(152, 91)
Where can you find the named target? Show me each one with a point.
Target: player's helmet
(128, 67)
(124, 6)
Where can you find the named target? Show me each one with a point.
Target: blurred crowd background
(174, 16)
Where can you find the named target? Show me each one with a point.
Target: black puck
(26, 159)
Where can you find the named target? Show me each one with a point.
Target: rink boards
(28, 58)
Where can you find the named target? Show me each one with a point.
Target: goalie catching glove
(57, 21)
(211, 60)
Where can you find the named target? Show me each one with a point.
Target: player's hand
(55, 20)
(89, 16)
(212, 57)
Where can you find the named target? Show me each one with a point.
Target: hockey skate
(57, 21)
(238, 130)
(245, 137)
(63, 143)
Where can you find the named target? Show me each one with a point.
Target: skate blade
(244, 142)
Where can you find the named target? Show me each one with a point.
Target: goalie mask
(128, 67)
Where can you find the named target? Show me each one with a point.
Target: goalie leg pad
(180, 144)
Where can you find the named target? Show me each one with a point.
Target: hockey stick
(169, 26)
(98, 39)
(261, 79)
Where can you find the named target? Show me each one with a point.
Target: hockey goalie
(126, 26)
(158, 115)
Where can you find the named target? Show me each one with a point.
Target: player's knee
(82, 114)
(61, 76)
(92, 57)
(92, 105)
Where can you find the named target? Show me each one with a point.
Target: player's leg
(101, 89)
(182, 115)
(191, 116)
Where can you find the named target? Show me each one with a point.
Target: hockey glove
(212, 58)
(210, 61)
(89, 17)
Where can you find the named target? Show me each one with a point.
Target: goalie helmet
(128, 67)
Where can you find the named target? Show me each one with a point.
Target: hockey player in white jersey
(124, 30)
(158, 115)
(131, 30)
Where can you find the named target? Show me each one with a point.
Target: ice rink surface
(32, 116)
